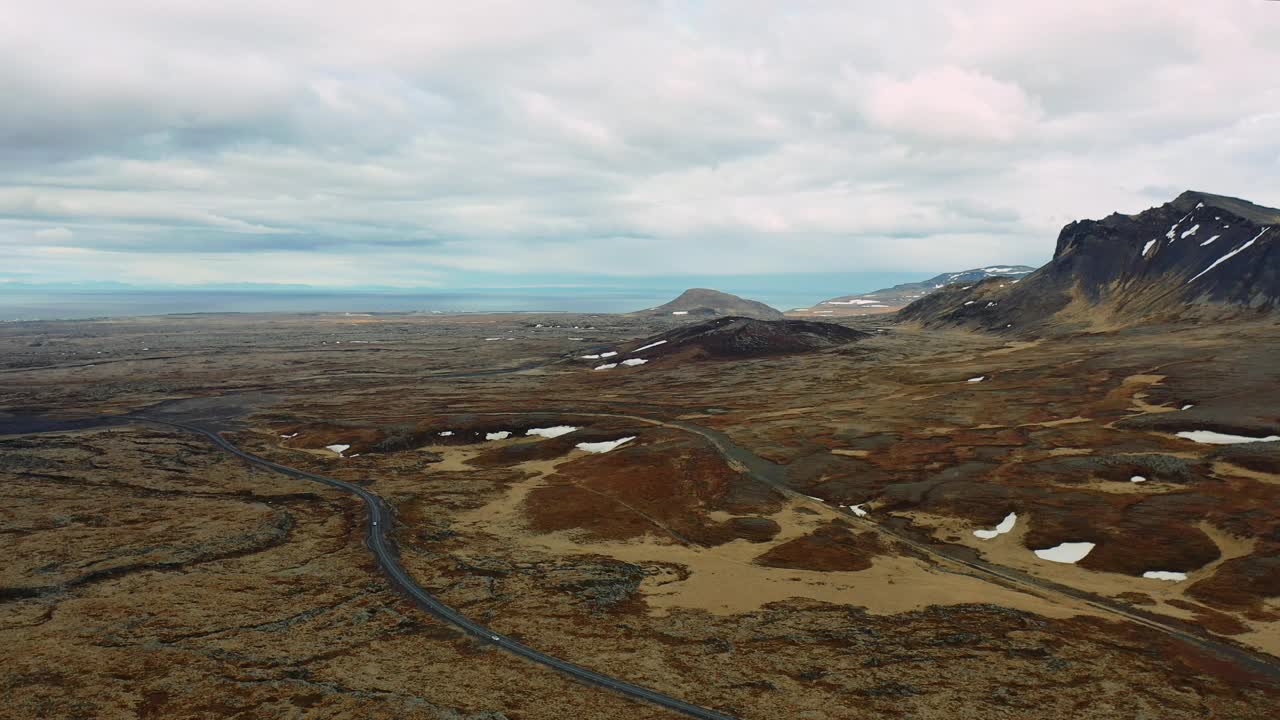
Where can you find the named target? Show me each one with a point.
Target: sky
(433, 144)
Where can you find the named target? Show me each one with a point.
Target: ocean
(783, 292)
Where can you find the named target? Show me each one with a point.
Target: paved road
(384, 551)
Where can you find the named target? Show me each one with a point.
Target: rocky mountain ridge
(887, 300)
(1201, 255)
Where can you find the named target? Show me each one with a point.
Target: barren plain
(782, 536)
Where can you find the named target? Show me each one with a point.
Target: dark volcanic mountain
(1199, 256)
(704, 303)
(738, 337)
(894, 298)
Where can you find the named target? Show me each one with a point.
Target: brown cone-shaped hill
(698, 303)
(738, 337)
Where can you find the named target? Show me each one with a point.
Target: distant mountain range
(1199, 256)
(899, 296)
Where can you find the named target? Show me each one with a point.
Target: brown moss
(829, 548)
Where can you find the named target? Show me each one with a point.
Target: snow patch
(1188, 406)
(500, 435)
(632, 362)
(1210, 240)
(1068, 552)
(1005, 526)
(1137, 478)
(650, 345)
(1210, 437)
(858, 510)
(339, 449)
(680, 312)
(606, 366)
(1147, 247)
(1229, 255)
(445, 433)
(978, 379)
(289, 437)
(1164, 575)
(605, 446)
(589, 357)
(1190, 232)
(551, 432)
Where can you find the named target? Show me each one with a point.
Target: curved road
(380, 519)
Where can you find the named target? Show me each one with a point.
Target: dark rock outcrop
(739, 337)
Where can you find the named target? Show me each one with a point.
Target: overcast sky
(425, 143)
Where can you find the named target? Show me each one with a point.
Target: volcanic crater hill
(737, 337)
(700, 303)
(887, 300)
(1199, 256)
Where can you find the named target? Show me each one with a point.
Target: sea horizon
(784, 292)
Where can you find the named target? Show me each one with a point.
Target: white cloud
(950, 103)
(624, 138)
(54, 235)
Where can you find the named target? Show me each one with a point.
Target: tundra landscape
(1055, 494)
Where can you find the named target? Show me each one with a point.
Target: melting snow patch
(500, 435)
(971, 302)
(1190, 232)
(289, 437)
(980, 378)
(1005, 526)
(551, 432)
(1164, 575)
(1137, 478)
(1210, 240)
(632, 362)
(1188, 406)
(1069, 552)
(1147, 247)
(858, 510)
(611, 353)
(589, 357)
(607, 366)
(650, 345)
(339, 449)
(604, 447)
(680, 312)
(487, 339)
(445, 433)
(1212, 438)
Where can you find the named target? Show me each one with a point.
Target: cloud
(950, 103)
(54, 235)
(414, 142)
